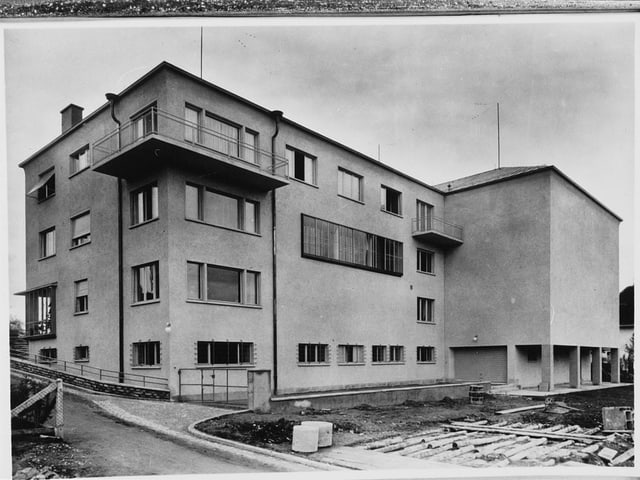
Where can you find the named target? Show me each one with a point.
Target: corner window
(79, 160)
(40, 310)
(45, 187)
(313, 353)
(349, 185)
(221, 209)
(145, 283)
(48, 243)
(48, 355)
(301, 165)
(145, 354)
(425, 310)
(425, 261)
(225, 353)
(144, 204)
(391, 200)
(222, 284)
(81, 353)
(81, 296)
(426, 354)
(80, 229)
(350, 354)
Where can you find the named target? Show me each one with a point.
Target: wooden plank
(383, 443)
(520, 409)
(495, 446)
(431, 451)
(451, 453)
(623, 457)
(542, 451)
(32, 400)
(481, 441)
(531, 433)
(591, 448)
(521, 448)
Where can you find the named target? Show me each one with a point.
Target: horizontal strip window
(224, 353)
(212, 283)
(323, 240)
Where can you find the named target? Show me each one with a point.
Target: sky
(421, 93)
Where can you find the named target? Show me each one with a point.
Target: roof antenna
(378, 152)
(498, 115)
(200, 52)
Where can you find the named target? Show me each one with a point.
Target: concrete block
(325, 432)
(305, 439)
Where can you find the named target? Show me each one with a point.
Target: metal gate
(214, 386)
(481, 364)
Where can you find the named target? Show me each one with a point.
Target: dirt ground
(364, 423)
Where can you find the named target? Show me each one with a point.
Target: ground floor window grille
(426, 355)
(350, 354)
(225, 353)
(313, 353)
(81, 353)
(146, 354)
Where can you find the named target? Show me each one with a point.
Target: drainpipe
(112, 97)
(277, 117)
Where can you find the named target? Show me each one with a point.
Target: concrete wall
(584, 269)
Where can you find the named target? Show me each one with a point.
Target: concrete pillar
(596, 365)
(259, 390)
(512, 362)
(615, 365)
(574, 367)
(546, 367)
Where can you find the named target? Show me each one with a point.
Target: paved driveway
(117, 449)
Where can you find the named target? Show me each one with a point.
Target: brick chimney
(71, 115)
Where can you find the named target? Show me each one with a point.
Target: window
(426, 355)
(391, 200)
(378, 353)
(222, 210)
(82, 296)
(40, 309)
(349, 185)
(145, 283)
(80, 229)
(144, 123)
(81, 353)
(48, 355)
(350, 354)
(79, 160)
(221, 136)
(45, 187)
(425, 261)
(313, 353)
(396, 353)
(329, 241)
(251, 147)
(424, 219)
(213, 283)
(301, 165)
(192, 124)
(144, 204)
(145, 354)
(425, 310)
(225, 353)
(48, 243)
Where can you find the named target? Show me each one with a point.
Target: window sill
(387, 363)
(83, 360)
(399, 215)
(226, 366)
(324, 364)
(224, 304)
(146, 367)
(202, 222)
(147, 302)
(79, 172)
(426, 363)
(76, 314)
(131, 227)
(351, 364)
(303, 182)
(425, 323)
(47, 198)
(352, 199)
(73, 247)
(46, 258)
(432, 274)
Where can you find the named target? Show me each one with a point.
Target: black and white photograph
(396, 246)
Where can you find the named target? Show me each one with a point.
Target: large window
(81, 229)
(225, 353)
(212, 283)
(313, 353)
(323, 240)
(81, 296)
(48, 242)
(221, 136)
(302, 166)
(349, 185)
(144, 204)
(145, 354)
(45, 187)
(144, 123)
(391, 200)
(425, 310)
(81, 353)
(79, 160)
(350, 354)
(221, 209)
(426, 354)
(425, 261)
(40, 308)
(145, 283)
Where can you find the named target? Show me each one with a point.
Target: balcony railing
(437, 230)
(160, 124)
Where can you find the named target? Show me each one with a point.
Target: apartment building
(180, 227)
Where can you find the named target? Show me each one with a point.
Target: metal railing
(87, 371)
(213, 385)
(435, 224)
(164, 124)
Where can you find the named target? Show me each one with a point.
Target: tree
(626, 362)
(16, 328)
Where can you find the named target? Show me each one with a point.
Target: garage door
(481, 363)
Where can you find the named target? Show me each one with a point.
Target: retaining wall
(113, 388)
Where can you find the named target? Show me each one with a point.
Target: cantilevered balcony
(436, 231)
(157, 138)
